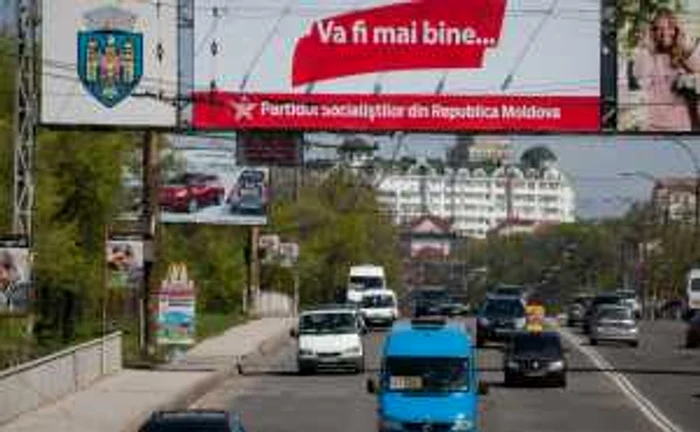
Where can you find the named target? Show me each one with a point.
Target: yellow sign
(535, 315)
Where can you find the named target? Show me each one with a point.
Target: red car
(191, 191)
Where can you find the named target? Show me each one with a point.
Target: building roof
(442, 224)
(676, 184)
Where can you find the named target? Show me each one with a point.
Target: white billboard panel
(444, 65)
(109, 63)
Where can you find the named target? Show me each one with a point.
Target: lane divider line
(650, 411)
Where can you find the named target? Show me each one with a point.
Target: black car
(599, 300)
(500, 318)
(577, 309)
(692, 334)
(430, 301)
(193, 420)
(535, 357)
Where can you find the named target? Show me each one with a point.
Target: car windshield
(604, 300)
(366, 282)
(695, 285)
(504, 308)
(187, 426)
(436, 296)
(427, 375)
(614, 314)
(544, 345)
(377, 301)
(328, 323)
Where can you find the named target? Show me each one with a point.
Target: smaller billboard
(15, 278)
(176, 308)
(125, 262)
(207, 187)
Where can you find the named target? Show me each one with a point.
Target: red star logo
(243, 109)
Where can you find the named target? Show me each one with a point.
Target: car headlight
(352, 350)
(633, 329)
(520, 323)
(390, 425)
(463, 425)
(512, 365)
(556, 366)
(484, 322)
(306, 352)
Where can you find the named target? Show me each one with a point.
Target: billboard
(176, 308)
(207, 186)
(125, 264)
(109, 63)
(658, 62)
(432, 65)
(15, 277)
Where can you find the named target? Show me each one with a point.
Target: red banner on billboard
(230, 110)
(422, 34)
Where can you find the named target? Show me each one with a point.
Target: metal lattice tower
(26, 117)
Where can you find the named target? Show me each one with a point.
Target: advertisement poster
(15, 278)
(206, 186)
(658, 66)
(424, 65)
(108, 63)
(176, 308)
(125, 264)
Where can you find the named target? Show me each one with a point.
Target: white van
(362, 278)
(379, 307)
(693, 289)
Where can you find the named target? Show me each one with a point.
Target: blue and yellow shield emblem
(110, 63)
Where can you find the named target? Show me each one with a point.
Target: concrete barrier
(31, 385)
(274, 304)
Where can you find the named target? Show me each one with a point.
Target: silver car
(615, 323)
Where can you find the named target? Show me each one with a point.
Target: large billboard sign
(658, 65)
(125, 263)
(207, 186)
(439, 65)
(109, 63)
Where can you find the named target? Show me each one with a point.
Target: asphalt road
(662, 369)
(270, 397)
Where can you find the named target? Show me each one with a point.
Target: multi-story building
(674, 199)
(476, 200)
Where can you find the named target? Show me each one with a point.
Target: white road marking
(647, 408)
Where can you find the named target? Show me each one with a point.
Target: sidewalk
(123, 401)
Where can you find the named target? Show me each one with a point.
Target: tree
(537, 158)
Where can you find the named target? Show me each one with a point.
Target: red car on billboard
(189, 192)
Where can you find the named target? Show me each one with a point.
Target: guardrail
(31, 385)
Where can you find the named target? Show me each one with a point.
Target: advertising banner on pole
(176, 308)
(109, 63)
(125, 261)
(437, 65)
(15, 277)
(658, 66)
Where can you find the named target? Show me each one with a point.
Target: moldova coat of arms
(110, 54)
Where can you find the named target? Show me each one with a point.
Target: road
(272, 398)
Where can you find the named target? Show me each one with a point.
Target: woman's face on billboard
(664, 32)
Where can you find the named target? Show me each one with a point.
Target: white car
(631, 299)
(330, 337)
(379, 307)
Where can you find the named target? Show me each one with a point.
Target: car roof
(188, 416)
(409, 338)
(332, 308)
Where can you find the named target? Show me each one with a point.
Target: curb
(188, 396)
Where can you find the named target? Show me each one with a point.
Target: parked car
(692, 334)
(193, 420)
(535, 357)
(614, 323)
(598, 301)
(191, 191)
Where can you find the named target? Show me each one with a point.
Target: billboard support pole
(254, 280)
(150, 213)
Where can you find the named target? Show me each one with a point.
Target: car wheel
(561, 383)
(634, 344)
(509, 380)
(305, 369)
(480, 342)
(594, 342)
(689, 343)
(360, 366)
(192, 206)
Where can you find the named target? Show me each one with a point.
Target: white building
(476, 201)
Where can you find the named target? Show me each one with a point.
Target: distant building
(475, 200)
(673, 199)
(430, 237)
(516, 227)
(489, 149)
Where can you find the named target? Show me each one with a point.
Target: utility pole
(150, 233)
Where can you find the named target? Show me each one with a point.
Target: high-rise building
(477, 200)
